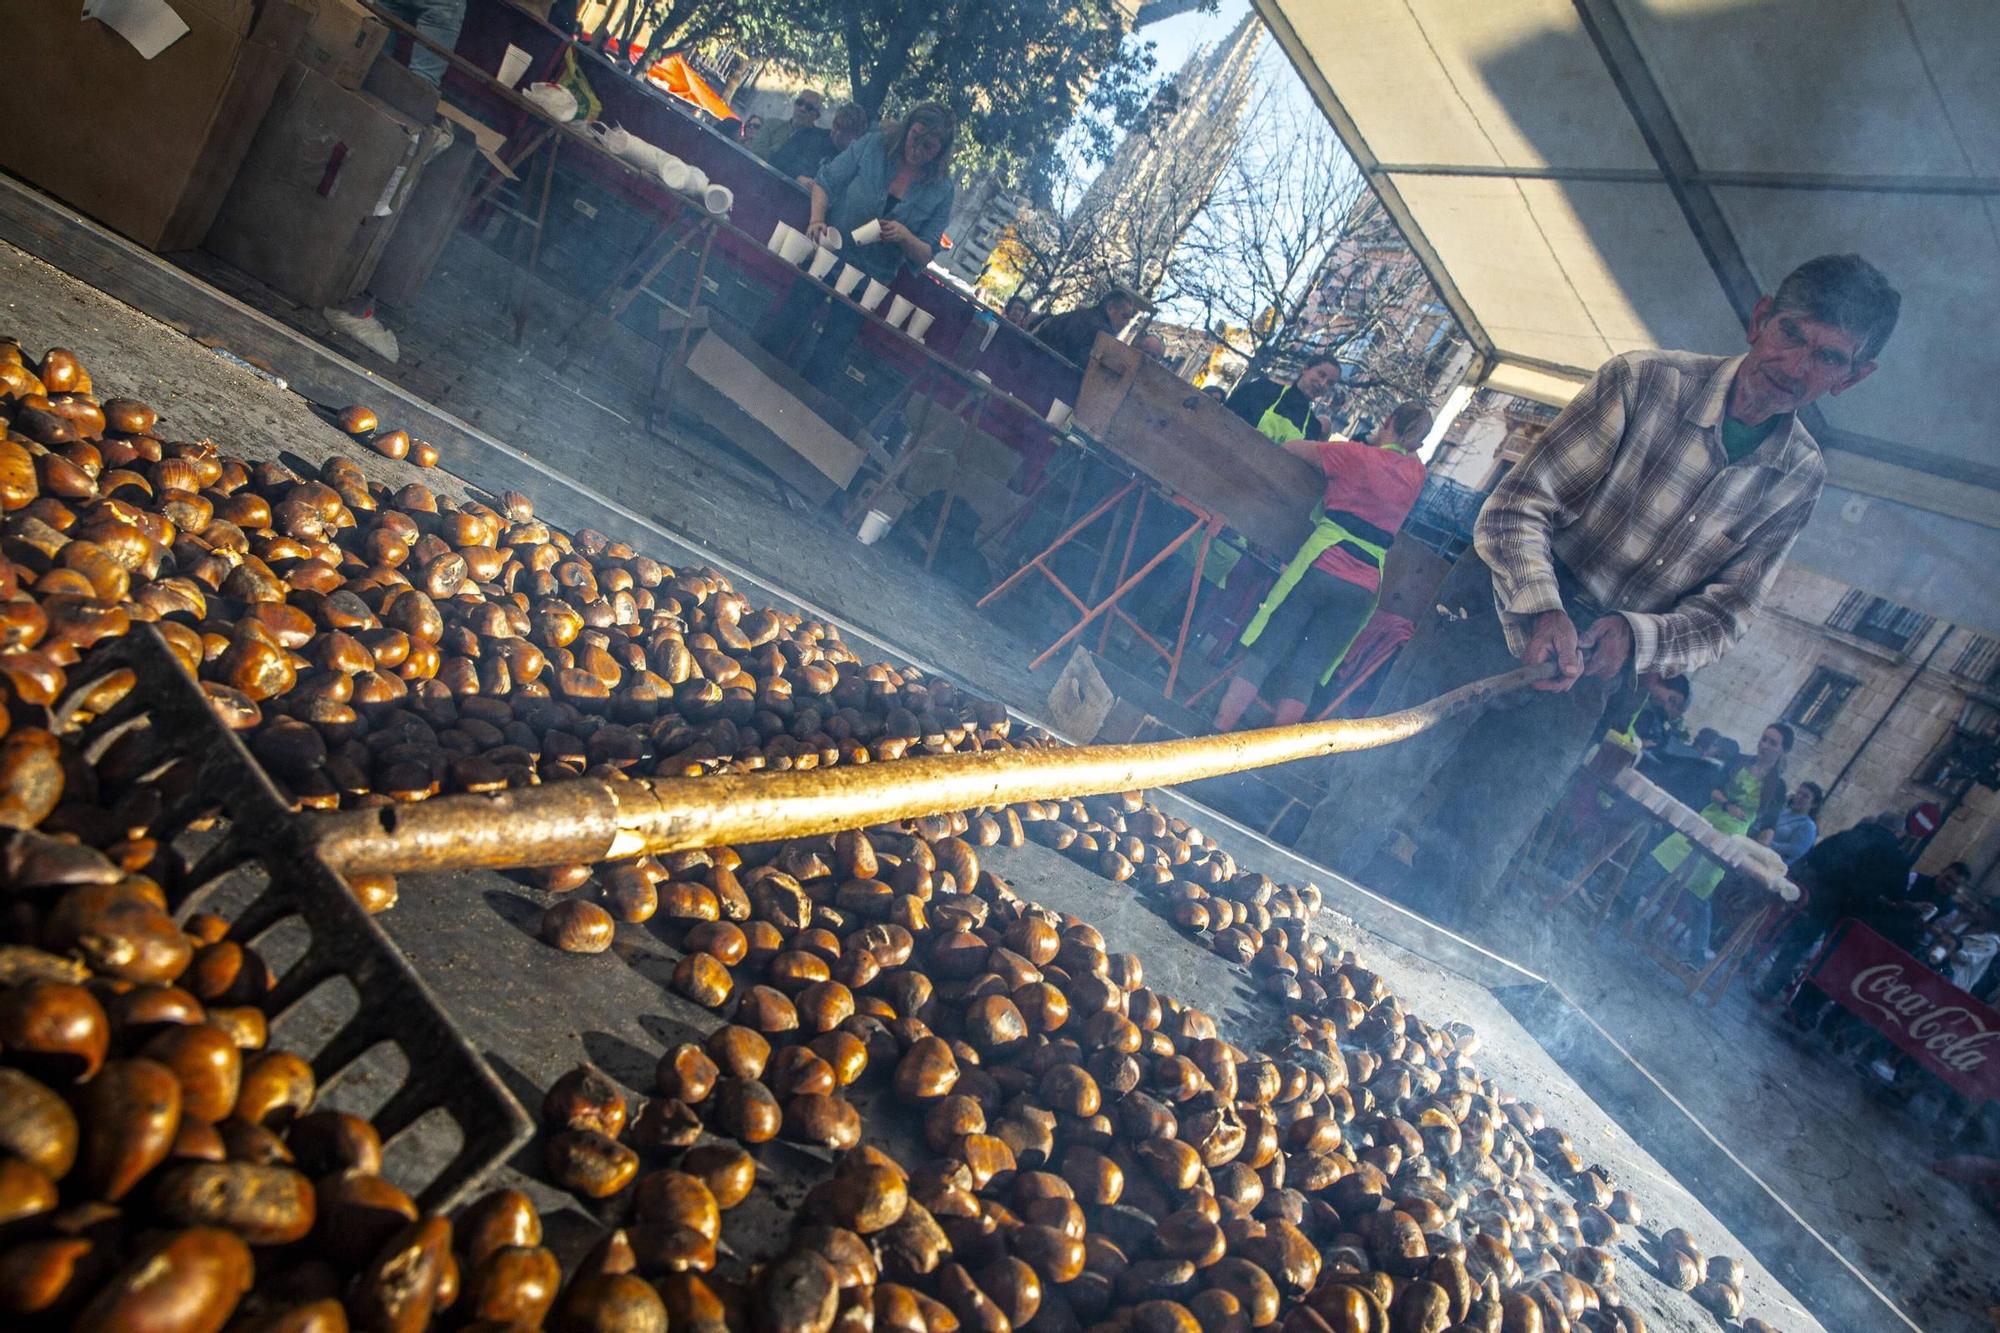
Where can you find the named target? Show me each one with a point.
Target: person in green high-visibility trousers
(1325, 595)
(1283, 413)
(1749, 800)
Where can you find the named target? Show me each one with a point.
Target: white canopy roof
(1583, 177)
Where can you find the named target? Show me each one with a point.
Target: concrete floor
(1798, 1115)
(1853, 1171)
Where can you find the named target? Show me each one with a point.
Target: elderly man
(806, 108)
(1072, 335)
(1638, 536)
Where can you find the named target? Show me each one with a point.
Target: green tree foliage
(1015, 71)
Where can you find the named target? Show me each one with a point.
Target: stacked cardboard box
(147, 147)
(321, 189)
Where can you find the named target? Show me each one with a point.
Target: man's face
(1319, 380)
(1154, 346)
(805, 109)
(1951, 879)
(1793, 360)
(1017, 312)
(1800, 801)
(1671, 702)
(1119, 310)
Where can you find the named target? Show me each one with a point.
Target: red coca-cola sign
(1950, 1033)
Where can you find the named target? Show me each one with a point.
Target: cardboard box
(401, 87)
(146, 147)
(342, 40)
(320, 191)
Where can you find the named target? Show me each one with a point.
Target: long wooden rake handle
(591, 819)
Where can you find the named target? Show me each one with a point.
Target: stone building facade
(1883, 700)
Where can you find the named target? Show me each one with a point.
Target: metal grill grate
(379, 1042)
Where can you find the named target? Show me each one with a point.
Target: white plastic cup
(873, 527)
(830, 238)
(718, 199)
(874, 296)
(850, 278)
(776, 245)
(697, 179)
(899, 310)
(822, 262)
(1060, 413)
(798, 247)
(919, 325)
(868, 232)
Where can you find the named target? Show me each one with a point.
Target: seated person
(1750, 796)
(1666, 704)
(1019, 313)
(1283, 412)
(1797, 826)
(1071, 335)
(1940, 889)
(1326, 594)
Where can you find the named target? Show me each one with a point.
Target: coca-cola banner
(1950, 1033)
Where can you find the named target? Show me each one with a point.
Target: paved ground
(1854, 1171)
(1798, 1115)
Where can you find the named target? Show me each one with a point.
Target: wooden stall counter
(1182, 449)
(1197, 448)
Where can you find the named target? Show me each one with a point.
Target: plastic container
(873, 527)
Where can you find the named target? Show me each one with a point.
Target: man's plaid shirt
(1631, 492)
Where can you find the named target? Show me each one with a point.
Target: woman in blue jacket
(897, 175)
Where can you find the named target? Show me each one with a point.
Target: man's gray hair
(1847, 292)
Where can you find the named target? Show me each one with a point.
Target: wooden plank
(1197, 448)
(763, 418)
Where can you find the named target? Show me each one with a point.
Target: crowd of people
(1864, 873)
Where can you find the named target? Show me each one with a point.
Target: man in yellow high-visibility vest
(1283, 412)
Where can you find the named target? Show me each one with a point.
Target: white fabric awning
(1583, 177)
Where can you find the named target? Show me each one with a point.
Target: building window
(1980, 661)
(1816, 706)
(1878, 620)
